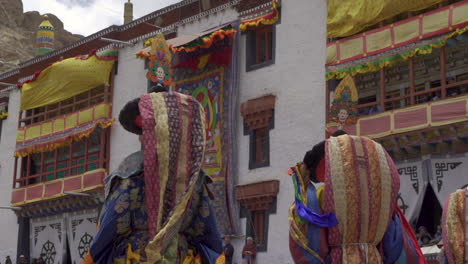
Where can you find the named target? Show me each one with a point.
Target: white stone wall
(129, 83)
(208, 22)
(8, 219)
(297, 80)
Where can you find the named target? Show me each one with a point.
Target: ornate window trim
(258, 201)
(258, 120)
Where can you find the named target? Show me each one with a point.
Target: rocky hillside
(18, 33)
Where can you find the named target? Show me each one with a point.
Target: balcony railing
(79, 157)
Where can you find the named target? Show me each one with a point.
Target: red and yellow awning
(437, 22)
(348, 17)
(263, 15)
(62, 130)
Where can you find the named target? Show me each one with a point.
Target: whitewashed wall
(297, 79)
(8, 219)
(129, 83)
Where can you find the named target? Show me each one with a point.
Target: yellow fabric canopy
(65, 79)
(348, 17)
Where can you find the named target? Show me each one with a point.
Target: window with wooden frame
(81, 156)
(419, 99)
(81, 101)
(259, 120)
(88, 154)
(394, 104)
(257, 223)
(260, 47)
(259, 154)
(258, 202)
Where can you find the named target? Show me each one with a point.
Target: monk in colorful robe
(157, 207)
(345, 208)
(455, 229)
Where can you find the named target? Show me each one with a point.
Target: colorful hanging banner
(205, 41)
(62, 130)
(267, 14)
(192, 43)
(402, 33)
(67, 78)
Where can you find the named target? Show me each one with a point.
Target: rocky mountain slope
(18, 33)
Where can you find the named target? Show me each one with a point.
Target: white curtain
(48, 239)
(413, 184)
(81, 229)
(447, 175)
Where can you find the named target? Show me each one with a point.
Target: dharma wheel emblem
(401, 203)
(85, 244)
(48, 252)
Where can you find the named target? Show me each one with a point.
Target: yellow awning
(65, 79)
(348, 17)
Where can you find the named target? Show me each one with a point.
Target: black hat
(130, 112)
(313, 157)
(128, 115)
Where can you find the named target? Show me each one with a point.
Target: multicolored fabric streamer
(157, 205)
(174, 135)
(219, 57)
(62, 130)
(270, 18)
(214, 94)
(361, 186)
(206, 41)
(455, 227)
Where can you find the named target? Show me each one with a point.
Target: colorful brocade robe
(123, 232)
(455, 228)
(361, 183)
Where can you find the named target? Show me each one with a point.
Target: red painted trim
(450, 22)
(420, 18)
(17, 196)
(72, 184)
(392, 35)
(338, 52)
(93, 179)
(53, 188)
(364, 44)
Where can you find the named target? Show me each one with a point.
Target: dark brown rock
(18, 33)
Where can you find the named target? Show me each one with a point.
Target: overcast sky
(86, 17)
